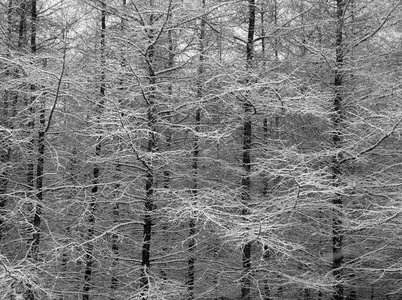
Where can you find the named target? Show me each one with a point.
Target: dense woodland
(200, 149)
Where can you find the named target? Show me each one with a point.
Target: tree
(196, 150)
(247, 135)
(89, 259)
(337, 138)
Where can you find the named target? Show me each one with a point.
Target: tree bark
(21, 43)
(196, 153)
(170, 64)
(114, 281)
(34, 243)
(276, 47)
(22, 33)
(151, 148)
(337, 138)
(89, 259)
(41, 146)
(7, 109)
(247, 136)
(168, 144)
(4, 159)
(10, 11)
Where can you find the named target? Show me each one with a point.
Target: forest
(200, 149)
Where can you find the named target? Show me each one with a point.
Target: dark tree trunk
(114, 281)
(265, 119)
(247, 135)
(149, 176)
(5, 115)
(39, 183)
(22, 41)
(89, 259)
(276, 50)
(29, 103)
(40, 150)
(170, 64)
(34, 17)
(196, 152)
(10, 11)
(4, 159)
(22, 33)
(337, 120)
(168, 144)
(38, 197)
(149, 190)
(41, 147)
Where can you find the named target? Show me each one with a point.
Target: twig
(372, 147)
(379, 27)
(58, 89)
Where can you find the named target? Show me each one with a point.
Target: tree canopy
(207, 149)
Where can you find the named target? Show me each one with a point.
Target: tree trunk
(151, 148)
(6, 114)
(247, 135)
(89, 260)
(196, 152)
(337, 120)
(168, 144)
(276, 48)
(22, 33)
(21, 43)
(266, 288)
(114, 281)
(34, 243)
(10, 11)
(170, 64)
(4, 159)
(41, 147)
(149, 190)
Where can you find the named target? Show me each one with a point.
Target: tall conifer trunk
(22, 28)
(337, 138)
(89, 259)
(6, 114)
(196, 153)
(40, 145)
(170, 64)
(168, 143)
(22, 43)
(114, 281)
(29, 101)
(151, 148)
(10, 10)
(276, 47)
(247, 135)
(267, 289)
(38, 196)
